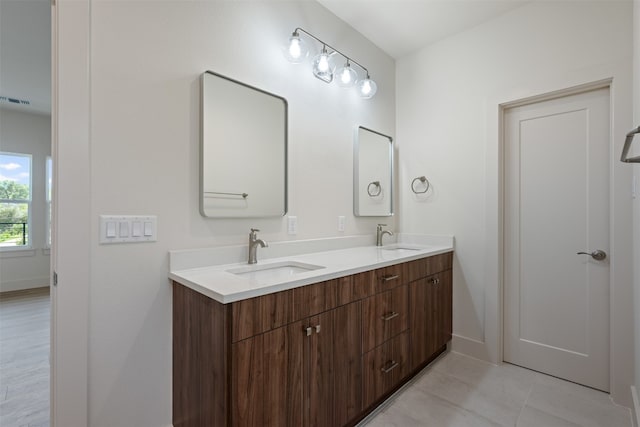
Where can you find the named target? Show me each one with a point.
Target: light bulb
(296, 49)
(367, 88)
(323, 66)
(346, 76)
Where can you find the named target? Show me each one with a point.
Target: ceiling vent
(10, 100)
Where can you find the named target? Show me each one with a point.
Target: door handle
(598, 255)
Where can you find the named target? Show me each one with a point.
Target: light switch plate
(341, 223)
(292, 225)
(130, 228)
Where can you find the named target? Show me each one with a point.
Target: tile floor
(24, 358)
(459, 391)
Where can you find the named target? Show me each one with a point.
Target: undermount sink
(276, 271)
(399, 248)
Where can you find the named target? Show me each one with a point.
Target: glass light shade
(323, 66)
(367, 88)
(296, 49)
(346, 76)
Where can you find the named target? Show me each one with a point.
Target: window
(15, 200)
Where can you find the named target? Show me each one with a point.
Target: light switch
(136, 229)
(123, 227)
(111, 229)
(148, 228)
(341, 223)
(116, 229)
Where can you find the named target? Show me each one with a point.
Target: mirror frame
(201, 194)
(356, 172)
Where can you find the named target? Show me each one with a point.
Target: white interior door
(556, 305)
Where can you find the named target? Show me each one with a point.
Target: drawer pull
(389, 278)
(390, 316)
(434, 281)
(309, 331)
(392, 364)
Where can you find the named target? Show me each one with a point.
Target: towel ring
(627, 145)
(375, 184)
(423, 180)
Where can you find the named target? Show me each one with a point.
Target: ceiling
(400, 27)
(25, 54)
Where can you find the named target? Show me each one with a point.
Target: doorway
(25, 206)
(556, 236)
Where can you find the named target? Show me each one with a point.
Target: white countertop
(218, 283)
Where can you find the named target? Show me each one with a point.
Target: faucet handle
(382, 225)
(254, 230)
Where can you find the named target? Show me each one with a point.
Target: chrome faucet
(253, 245)
(380, 232)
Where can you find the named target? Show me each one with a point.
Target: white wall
(27, 133)
(145, 62)
(448, 129)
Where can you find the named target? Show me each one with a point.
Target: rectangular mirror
(372, 173)
(243, 151)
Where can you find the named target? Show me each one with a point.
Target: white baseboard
(19, 285)
(635, 408)
(470, 347)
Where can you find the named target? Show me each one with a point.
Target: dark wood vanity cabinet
(319, 355)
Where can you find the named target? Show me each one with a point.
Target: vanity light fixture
(323, 64)
(296, 50)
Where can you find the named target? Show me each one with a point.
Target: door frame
(550, 96)
(618, 80)
(71, 212)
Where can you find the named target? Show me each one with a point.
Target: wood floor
(24, 358)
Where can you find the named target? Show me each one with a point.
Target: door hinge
(55, 279)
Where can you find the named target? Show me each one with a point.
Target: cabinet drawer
(424, 267)
(384, 368)
(355, 287)
(254, 316)
(389, 277)
(385, 315)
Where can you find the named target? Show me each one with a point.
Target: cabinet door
(284, 376)
(423, 323)
(445, 309)
(319, 388)
(347, 362)
(267, 378)
(334, 395)
(385, 315)
(247, 379)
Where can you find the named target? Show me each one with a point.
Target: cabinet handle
(434, 281)
(308, 330)
(390, 315)
(392, 364)
(389, 278)
(317, 329)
